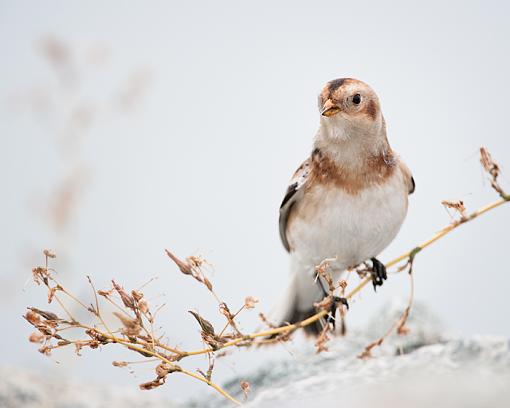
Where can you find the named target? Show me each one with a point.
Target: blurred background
(127, 128)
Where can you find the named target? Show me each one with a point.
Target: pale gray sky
(224, 111)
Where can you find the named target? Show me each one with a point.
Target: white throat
(349, 143)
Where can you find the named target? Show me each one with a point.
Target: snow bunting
(346, 201)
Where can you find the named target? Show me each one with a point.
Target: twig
(134, 310)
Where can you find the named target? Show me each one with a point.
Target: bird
(345, 203)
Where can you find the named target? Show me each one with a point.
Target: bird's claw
(343, 301)
(378, 273)
(336, 300)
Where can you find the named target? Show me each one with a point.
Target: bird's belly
(330, 222)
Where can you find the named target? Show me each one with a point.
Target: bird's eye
(356, 99)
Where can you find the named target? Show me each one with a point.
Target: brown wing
(294, 191)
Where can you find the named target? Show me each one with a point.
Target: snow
(426, 368)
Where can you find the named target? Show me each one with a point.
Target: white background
(197, 114)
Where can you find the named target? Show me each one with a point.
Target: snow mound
(426, 368)
(21, 388)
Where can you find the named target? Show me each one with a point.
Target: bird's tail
(295, 305)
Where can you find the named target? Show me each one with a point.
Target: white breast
(330, 223)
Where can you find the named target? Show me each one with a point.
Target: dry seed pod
(249, 302)
(204, 324)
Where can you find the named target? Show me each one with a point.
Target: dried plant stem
(72, 296)
(97, 311)
(407, 255)
(181, 370)
(228, 323)
(145, 351)
(110, 333)
(64, 308)
(398, 325)
(401, 329)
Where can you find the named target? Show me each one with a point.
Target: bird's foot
(378, 273)
(340, 300)
(336, 302)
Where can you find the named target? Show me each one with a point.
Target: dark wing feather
(291, 196)
(408, 177)
(413, 186)
(291, 190)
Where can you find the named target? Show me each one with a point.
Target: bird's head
(349, 108)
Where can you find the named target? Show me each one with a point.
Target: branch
(136, 332)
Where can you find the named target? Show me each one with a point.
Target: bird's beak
(329, 108)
